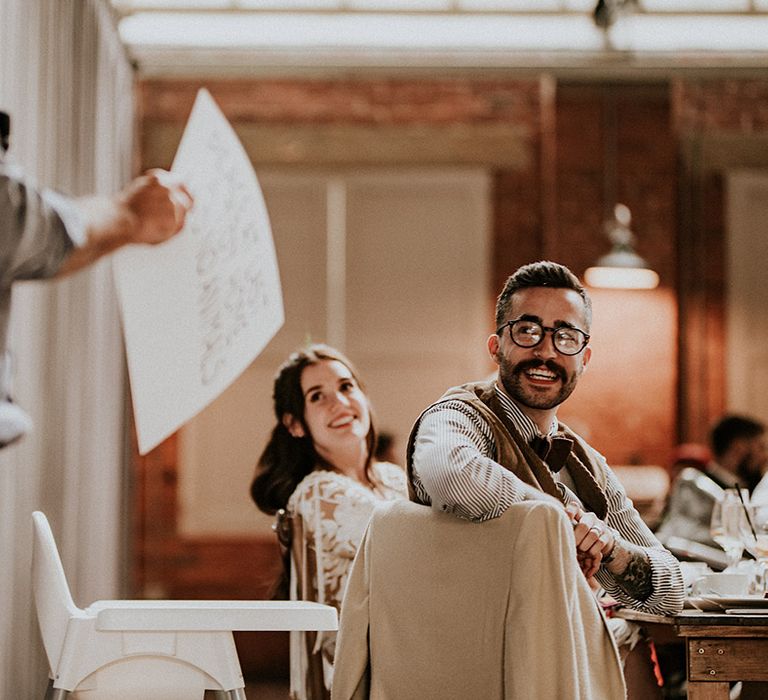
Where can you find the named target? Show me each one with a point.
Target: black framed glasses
(528, 334)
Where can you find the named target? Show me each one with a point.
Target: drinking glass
(727, 525)
(754, 535)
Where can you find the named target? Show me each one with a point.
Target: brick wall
(634, 344)
(383, 102)
(722, 124)
(721, 105)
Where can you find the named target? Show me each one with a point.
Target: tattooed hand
(597, 546)
(631, 569)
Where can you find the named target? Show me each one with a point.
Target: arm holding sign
(150, 209)
(44, 234)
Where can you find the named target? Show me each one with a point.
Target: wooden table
(720, 648)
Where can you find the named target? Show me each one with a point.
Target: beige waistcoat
(584, 464)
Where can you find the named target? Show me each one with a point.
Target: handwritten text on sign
(200, 308)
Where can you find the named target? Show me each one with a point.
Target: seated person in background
(486, 445)
(740, 456)
(689, 454)
(319, 465)
(740, 450)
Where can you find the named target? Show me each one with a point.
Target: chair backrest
(53, 600)
(491, 610)
(304, 563)
(689, 508)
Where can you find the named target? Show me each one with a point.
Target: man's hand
(594, 540)
(151, 209)
(629, 564)
(159, 203)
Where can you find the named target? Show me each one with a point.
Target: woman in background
(319, 466)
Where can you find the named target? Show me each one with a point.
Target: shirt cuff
(667, 585)
(70, 216)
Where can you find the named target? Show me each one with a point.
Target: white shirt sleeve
(454, 466)
(760, 494)
(667, 579)
(38, 228)
(454, 470)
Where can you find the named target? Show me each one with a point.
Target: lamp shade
(622, 267)
(621, 277)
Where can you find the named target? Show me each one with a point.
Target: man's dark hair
(731, 428)
(5, 130)
(541, 274)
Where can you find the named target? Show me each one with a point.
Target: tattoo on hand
(636, 579)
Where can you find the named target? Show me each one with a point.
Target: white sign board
(198, 309)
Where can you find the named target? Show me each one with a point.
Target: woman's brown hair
(286, 459)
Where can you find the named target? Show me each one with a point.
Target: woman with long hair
(319, 467)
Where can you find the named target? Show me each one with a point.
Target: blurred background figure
(689, 454)
(740, 450)
(319, 473)
(739, 456)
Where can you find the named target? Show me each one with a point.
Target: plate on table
(747, 611)
(726, 602)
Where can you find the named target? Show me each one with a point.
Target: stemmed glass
(754, 535)
(726, 526)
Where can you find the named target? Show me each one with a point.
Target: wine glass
(754, 535)
(726, 526)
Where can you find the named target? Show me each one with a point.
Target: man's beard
(749, 471)
(511, 379)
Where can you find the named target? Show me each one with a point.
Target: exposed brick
(739, 106)
(373, 101)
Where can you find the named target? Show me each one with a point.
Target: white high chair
(136, 649)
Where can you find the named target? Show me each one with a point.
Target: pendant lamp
(622, 267)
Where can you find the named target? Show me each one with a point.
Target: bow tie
(553, 451)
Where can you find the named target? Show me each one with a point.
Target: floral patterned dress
(334, 510)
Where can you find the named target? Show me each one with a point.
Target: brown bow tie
(553, 451)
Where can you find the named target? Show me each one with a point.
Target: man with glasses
(486, 445)
(44, 234)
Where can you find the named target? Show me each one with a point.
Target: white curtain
(68, 85)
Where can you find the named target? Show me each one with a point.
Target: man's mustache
(551, 365)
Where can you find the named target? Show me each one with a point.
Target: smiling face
(336, 411)
(540, 378)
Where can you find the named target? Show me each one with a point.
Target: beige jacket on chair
(444, 608)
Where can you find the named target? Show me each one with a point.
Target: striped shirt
(455, 470)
